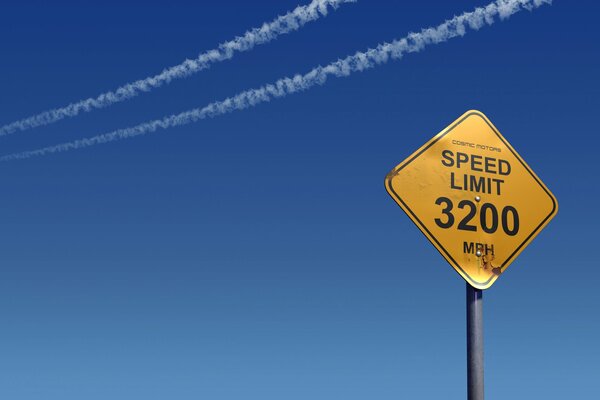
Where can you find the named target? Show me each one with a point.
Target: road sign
(473, 197)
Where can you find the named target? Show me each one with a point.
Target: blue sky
(258, 255)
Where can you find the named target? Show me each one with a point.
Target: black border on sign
(429, 235)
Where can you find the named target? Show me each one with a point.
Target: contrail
(414, 42)
(287, 23)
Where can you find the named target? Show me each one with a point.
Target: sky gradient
(257, 255)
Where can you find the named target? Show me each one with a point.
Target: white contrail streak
(414, 42)
(287, 23)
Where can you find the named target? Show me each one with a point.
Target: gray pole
(474, 343)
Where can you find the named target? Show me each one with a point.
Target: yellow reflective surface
(473, 197)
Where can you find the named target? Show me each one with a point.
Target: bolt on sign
(473, 197)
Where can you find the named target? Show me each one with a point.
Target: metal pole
(474, 343)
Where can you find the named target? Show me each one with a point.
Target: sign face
(473, 197)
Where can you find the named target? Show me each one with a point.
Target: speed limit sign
(473, 197)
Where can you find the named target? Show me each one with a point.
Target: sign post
(478, 202)
(474, 343)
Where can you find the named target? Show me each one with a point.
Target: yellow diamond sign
(473, 197)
